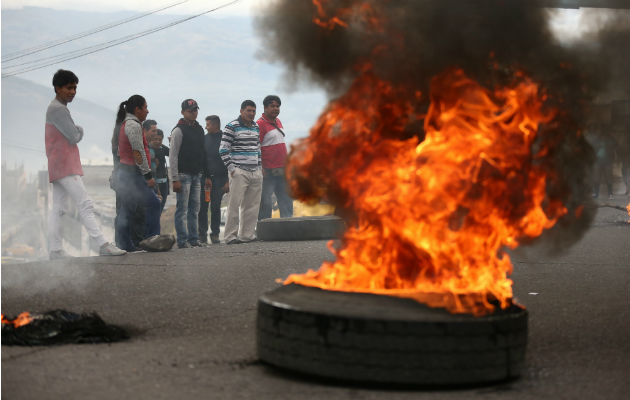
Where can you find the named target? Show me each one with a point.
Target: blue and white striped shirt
(240, 146)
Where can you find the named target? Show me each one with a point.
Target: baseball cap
(189, 104)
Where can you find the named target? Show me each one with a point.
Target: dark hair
(160, 133)
(247, 103)
(148, 123)
(215, 119)
(127, 106)
(272, 97)
(62, 77)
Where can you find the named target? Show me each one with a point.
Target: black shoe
(197, 244)
(214, 239)
(234, 241)
(183, 245)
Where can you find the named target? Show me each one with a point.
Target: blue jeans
(275, 184)
(134, 193)
(187, 210)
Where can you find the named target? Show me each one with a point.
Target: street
(191, 314)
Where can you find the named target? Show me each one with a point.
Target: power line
(102, 46)
(55, 43)
(23, 147)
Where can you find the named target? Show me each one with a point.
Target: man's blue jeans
(275, 184)
(187, 209)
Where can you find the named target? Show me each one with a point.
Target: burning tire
(383, 339)
(300, 228)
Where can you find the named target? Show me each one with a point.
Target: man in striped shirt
(240, 152)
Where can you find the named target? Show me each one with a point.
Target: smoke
(409, 42)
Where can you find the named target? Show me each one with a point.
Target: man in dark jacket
(188, 163)
(220, 183)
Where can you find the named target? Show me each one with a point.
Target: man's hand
(226, 187)
(151, 182)
(177, 186)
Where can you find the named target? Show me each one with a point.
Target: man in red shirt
(274, 157)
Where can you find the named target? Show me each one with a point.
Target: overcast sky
(241, 8)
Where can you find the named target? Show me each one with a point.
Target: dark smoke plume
(410, 41)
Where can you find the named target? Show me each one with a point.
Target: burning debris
(58, 327)
(449, 145)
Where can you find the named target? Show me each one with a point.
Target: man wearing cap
(188, 158)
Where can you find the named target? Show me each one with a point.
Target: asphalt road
(192, 315)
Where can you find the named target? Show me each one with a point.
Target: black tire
(382, 339)
(300, 228)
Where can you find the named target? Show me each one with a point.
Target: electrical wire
(23, 147)
(103, 46)
(49, 45)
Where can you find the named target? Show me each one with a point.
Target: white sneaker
(109, 249)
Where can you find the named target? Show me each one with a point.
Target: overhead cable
(43, 62)
(49, 45)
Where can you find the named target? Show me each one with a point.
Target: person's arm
(133, 130)
(173, 158)
(259, 150)
(61, 119)
(207, 169)
(225, 149)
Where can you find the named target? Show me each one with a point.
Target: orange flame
(363, 12)
(22, 319)
(432, 217)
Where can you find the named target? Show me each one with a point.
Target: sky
(241, 8)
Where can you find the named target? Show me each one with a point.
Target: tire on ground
(300, 228)
(382, 339)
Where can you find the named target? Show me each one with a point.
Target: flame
(22, 319)
(430, 219)
(362, 12)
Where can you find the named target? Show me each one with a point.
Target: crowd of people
(246, 159)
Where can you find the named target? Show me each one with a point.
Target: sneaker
(234, 241)
(183, 245)
(109, 249)
(214, 239)
(197, 244)
(250, 240)
(58, 255)
(158, 243)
